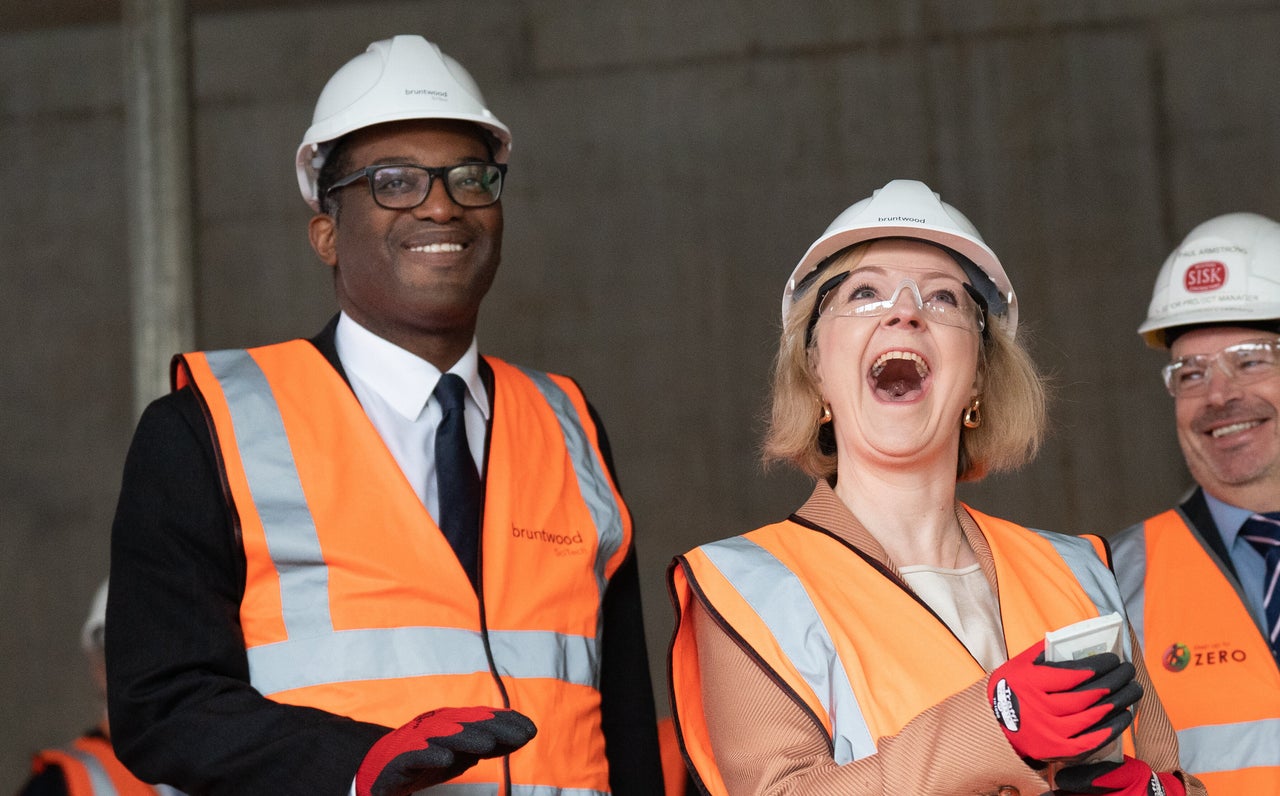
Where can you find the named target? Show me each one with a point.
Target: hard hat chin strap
(994, 302)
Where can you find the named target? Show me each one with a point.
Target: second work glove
(438, 746)
(1062, 710)
(1128, 778)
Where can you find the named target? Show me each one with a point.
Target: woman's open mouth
(898, 375)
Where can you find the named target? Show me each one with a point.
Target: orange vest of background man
(1207, 656)
(90, 768)
(355, 602)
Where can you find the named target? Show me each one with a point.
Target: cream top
(964, 600)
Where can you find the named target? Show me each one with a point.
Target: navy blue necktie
(1263, 532)
(456, 477)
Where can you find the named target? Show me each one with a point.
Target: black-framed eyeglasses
(404, 186)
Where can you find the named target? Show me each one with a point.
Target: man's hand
(1062, 710)
(438, 746)
(1128, 778)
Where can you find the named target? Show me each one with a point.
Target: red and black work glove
(438, 746)
(1128, 778)
(1062, 710)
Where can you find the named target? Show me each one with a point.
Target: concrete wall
(672, 162)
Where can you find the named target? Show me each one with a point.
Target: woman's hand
(1128, 778)
(1062, 710)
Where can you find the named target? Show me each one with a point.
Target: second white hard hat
(1226, 271)
(95, 624)
(910, 209)
(405, 77)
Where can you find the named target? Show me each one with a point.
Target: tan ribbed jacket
(766, 744)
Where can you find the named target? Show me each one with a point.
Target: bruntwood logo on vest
(1179, 656)
(565, 544)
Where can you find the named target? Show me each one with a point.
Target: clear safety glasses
(402, 187)
(1243, 363)
(870, 293)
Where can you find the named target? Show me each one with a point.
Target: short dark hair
(336, 164)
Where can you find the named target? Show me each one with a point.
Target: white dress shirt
(394, 387)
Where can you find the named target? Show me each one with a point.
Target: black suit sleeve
(628, 716)
(49, 782)
(181, 707)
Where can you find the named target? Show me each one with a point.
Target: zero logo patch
(1176, 658)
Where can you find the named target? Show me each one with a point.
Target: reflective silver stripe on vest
(775, 593)
(273, 479)
(383, 653)
(99, 779)
(593, 483)
(1129, 552)
(315, 653)
(481, 789)
(1229, 747)
(1093, 575)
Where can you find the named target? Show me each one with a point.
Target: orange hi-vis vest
(1207, 655)
(674, 773)
(791, 595)
(90, 768)
(354, 600)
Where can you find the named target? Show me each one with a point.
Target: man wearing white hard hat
(1200, 580)
(376, 561)
(88, 766)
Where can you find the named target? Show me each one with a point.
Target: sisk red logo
(1205, 276)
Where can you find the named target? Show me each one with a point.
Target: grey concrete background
(672, 161)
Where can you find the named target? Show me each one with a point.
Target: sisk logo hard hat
(1226, 271)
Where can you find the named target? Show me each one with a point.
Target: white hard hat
(95, 624)
(1226, 271)
(406, 77)
(910, 209)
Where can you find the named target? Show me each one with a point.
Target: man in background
(88, 765)
(1199, 580)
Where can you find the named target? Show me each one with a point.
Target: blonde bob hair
(1013, 398)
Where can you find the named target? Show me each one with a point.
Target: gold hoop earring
(972, 417)
(826, 414)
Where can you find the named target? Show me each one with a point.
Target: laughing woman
(886, 638)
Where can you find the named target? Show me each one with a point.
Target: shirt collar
(1227, 517)
(402, 379)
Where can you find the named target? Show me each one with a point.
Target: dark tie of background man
(456, 476)
(1263, 532)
